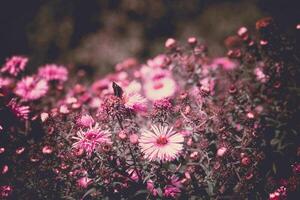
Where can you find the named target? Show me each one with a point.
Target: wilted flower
(15, 65)
(90, 139)
(162, 143)
(53, 72)
(30, 88)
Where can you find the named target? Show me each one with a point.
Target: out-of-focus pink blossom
(161, 143)
(31, 88)
(159, 61)
(19, 111)
(91, 139)
(225, 63)
(15, 65)
(5, 82)
(53, 72)
(160, 89)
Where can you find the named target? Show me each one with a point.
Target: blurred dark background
(99, 33)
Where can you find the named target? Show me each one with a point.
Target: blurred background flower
(97, 34)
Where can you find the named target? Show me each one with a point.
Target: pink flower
(5, 82)
(30, 88)
(85, 121)
(280, 193)
(260, 75)
(19, 111)
(225, 63)
(160, 88)
(5, 191)
(15, 65)
(133, 174)
(52, 72)
(84, 182)
(159, 61)
(162, 143)
(134, 101)
(173, 189)
(91, 139)
(151, 188)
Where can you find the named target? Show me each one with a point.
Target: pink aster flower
(134, 101)
(160, 89)
(19, 111)
(91, 139)
(173, 189)
(162, 143)
(30, 88)
(52, 72)
(15, 65)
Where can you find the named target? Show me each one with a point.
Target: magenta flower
(15, 65)
(52, 72)
(91, 139)
(19, 111)
(162, 143)
(31, 88)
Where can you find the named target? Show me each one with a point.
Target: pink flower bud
(246, 161)
(122, 135)
(4, 169)
(47, 150)
(170, 43)
(20, 150)
(221, 151)
(44, 116)
(134, 138)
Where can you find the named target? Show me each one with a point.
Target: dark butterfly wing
(117, 90)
